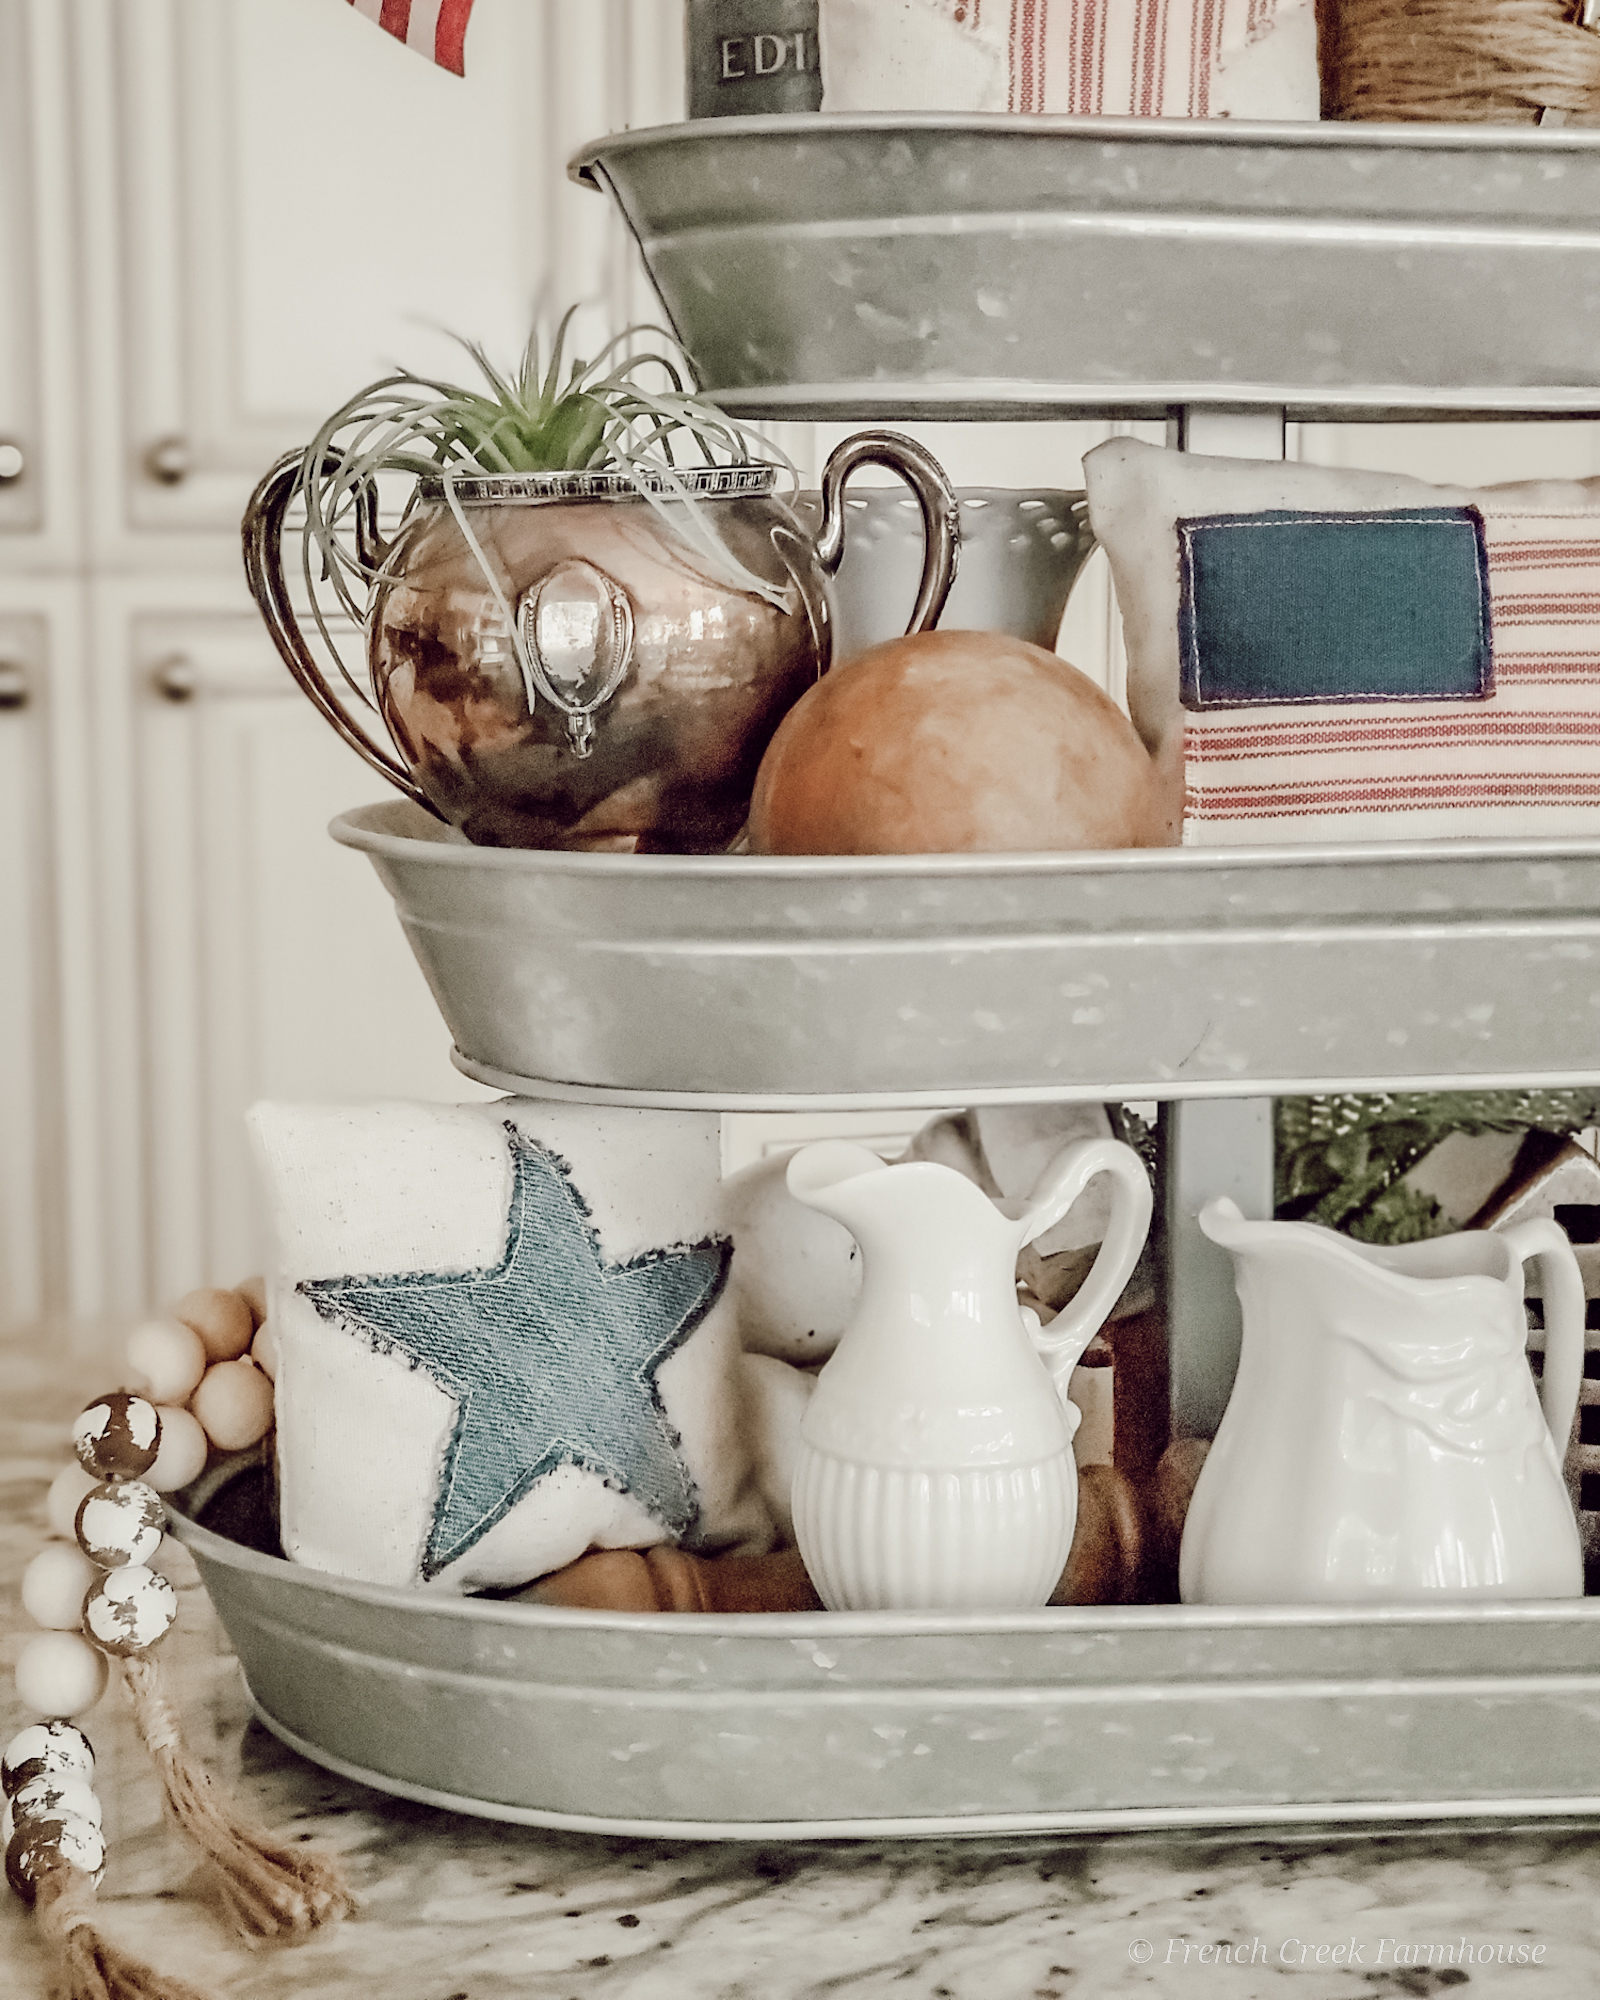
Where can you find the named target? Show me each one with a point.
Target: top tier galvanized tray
(736, 981)
(928, 265)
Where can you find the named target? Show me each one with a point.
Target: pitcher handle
(1059, 1186)
(262, 530)
(941, 517)
(1545, 1243)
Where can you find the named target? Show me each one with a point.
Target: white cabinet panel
(289, 203)
(272, 961)
(37, 328)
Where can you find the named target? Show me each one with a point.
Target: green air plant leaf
(623, 411)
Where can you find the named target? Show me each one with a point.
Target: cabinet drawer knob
(168, 461)
(14, 689)
(175, 678)
(13, 461)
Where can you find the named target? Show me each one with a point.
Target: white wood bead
(55, 1584)
(60, 1674)
(182, 1456)
(264, 1352)
(222, 1319)
(234, 1404)
(66, 1496)
(168, 1358)
(117, 1436)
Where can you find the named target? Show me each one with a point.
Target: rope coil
(1498, 62)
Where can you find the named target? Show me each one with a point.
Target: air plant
(604, 416)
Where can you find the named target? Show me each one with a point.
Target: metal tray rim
(1238, 132)
(363, 827)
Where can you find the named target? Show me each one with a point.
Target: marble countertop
(460, 1909)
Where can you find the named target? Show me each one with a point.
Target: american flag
(435, 28)
(1525, 761)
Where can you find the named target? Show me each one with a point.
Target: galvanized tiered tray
(869, 267)
(916, 264)
(731, 981)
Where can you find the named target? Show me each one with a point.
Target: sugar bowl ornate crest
(594, 611)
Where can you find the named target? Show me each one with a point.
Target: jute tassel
(1494, 62)
(270, 1891)
(84, 1965)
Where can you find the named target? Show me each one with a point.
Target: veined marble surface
(462, 1909)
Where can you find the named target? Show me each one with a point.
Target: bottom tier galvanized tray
(819, 1725)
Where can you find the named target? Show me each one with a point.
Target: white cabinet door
(271, 963)
(37, 322)
(52, 1261)
(284, 203)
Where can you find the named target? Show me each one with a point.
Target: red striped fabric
(1129, 58)
(1526, 760)
(435, 28)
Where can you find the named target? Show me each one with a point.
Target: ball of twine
(1497, 62)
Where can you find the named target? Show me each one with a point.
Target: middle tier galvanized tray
(818, 1724)
(731, 981)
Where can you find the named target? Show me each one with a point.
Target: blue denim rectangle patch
(1286, 606)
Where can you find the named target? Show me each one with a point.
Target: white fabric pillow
(1524, 761)
(506, 1335)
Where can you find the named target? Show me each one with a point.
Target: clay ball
(234, 1404)
(55, 1584)
(59, 1674)
(43, 1749)
(168, 1358)
(954, 742)
(117, 1436)
(121, 1524)
(65, 1497)
(182, 1456)
(129, 1609)
(223, 1321)
(38, 1845)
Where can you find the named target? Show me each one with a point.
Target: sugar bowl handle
(262, 529)
(941, 518)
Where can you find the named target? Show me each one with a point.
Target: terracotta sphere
(952, 742)
(222, 1319)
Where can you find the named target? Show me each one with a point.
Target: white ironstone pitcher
(935, 1468)
(1385, 1438)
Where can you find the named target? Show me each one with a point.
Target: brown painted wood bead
(45, 1749)
(117, 1436)
(121, 1524)
(38, 1844)
(129, 1609)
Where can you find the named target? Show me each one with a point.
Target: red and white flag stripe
(1525, 761)
(436, 29)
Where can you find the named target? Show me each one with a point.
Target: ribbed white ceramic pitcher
(935, 1467)
(1385, 1438)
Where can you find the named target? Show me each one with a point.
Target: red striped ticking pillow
(1520, 758)
(1524, 759)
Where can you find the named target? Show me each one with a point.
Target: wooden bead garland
(53, 1845)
